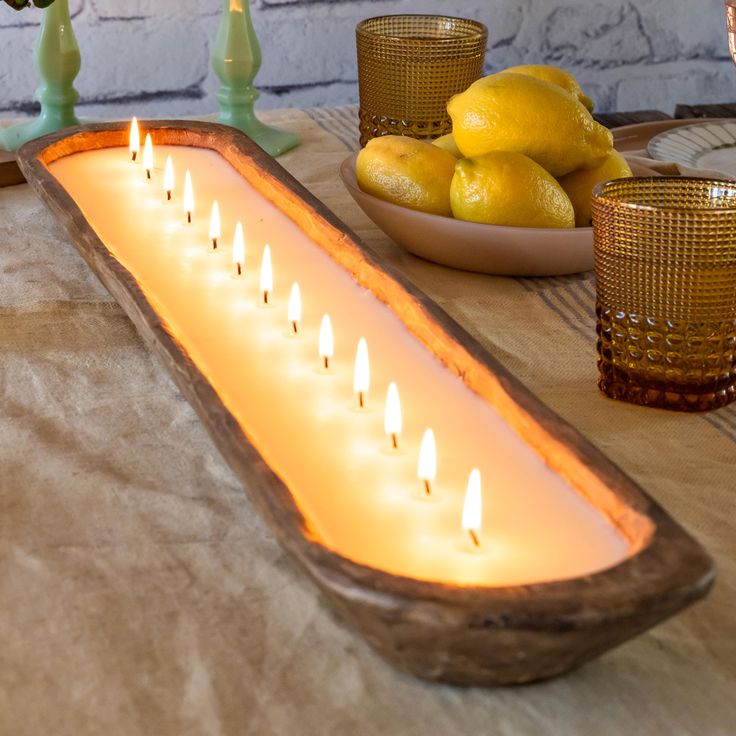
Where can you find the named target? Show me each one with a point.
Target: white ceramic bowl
(506, 251)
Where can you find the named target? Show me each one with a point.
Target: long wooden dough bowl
(468, 635)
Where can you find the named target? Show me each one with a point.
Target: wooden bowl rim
(669, 565)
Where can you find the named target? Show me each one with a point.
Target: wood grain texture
(468, 635)
(723, 110)
(619, 119)
(10, 172)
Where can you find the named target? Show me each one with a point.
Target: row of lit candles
(427, 460)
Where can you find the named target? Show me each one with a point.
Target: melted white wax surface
(360, 499)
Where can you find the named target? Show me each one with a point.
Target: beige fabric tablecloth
(141, 594)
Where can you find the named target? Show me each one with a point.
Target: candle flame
(266, 274)
(326, 341)
(473, 506)
(427, 463)
(239, 248)
(362, 372)
(215, 224)
(188, 196)
(148, 155)
(135, 139)
(392, 416)
(169, 177)
(295, 307)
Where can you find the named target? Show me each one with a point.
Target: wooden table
(142, 593)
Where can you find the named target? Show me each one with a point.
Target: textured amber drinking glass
(665, 266)
(408, 68)
(731, 27)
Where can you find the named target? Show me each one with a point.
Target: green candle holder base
(273, 141)
(13, 137)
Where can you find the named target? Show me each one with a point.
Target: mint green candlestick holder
(56, 57)
(236, 59)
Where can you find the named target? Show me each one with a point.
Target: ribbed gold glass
(665, 265)
(408, 68)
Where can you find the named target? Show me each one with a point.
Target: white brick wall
(152, 56)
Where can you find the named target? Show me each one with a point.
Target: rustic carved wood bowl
(467, 635)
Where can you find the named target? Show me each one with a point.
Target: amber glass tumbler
(665, 266)
(731, 27)
(408, 68)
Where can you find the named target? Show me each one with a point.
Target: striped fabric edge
(342, 122)
(724, 420)
(572, 298)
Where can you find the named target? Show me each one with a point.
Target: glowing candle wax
(358, 497)
(473, 507)
(392, 417)
(188, 196)
(239, 249)
(215, 230)
(294, 311)
(361, 372)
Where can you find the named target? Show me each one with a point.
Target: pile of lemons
(525, 151)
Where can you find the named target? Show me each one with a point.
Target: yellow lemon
(407, 172)
(514, 112)
(579, 184)
(554, 75)
(506, 188)
(448, 143)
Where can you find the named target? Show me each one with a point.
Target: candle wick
(361, 400)
(133, 156)
(427, 487)
(148, 173)
(326, 361)
(265, 297)
(294, 327)
(168, 195)
(394, 441)
(240, 270)
(189, 216)
(474, 537)
(214, 243)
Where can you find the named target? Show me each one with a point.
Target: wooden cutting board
(9, 171)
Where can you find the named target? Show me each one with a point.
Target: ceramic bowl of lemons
(472, 246)
(508, 192)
